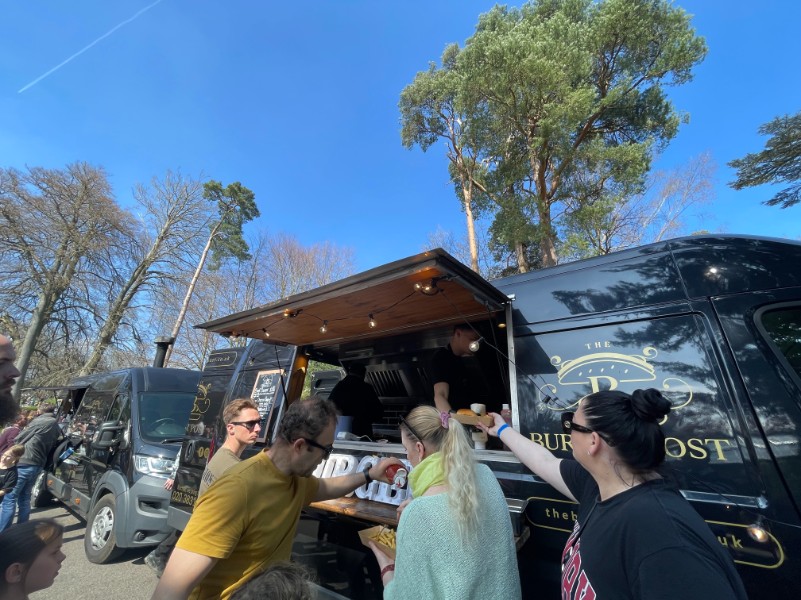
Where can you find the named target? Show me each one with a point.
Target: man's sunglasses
(327, 450)
(249, 425)
(568, 426)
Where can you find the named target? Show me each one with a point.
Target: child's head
(280, 581)
(30, 556)
(13, 454)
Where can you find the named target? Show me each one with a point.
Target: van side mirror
(108, 435)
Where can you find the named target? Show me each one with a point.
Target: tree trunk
(122, 302)
(522, 261)
(547, 242)
(190, 290)
(548, 250)
(467, 192)
(39, 318)
(116, 313)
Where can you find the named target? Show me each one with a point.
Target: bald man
(8, 375)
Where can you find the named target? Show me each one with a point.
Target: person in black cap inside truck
(453, 387)
(635, 535)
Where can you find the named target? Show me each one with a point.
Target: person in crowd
(242, 423)
(247, 520)
(453, 386)
(280, 581)
(635, 535)
(8, 469)
(11, 432)
(454, 539)
(356, 398)
(30, 558)
(9, 407)
(39, 437)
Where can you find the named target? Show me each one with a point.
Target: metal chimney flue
(163, 343)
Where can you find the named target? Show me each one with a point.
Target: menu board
(265, 390)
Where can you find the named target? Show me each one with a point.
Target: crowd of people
(633, 533)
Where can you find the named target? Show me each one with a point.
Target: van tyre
(40, 496)
(100, 540)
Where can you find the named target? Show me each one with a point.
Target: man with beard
(8, 375)
(247, 520)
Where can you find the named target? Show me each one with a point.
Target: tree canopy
(779, 162)
(562, 103)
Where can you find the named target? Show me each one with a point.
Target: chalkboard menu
(265, 390)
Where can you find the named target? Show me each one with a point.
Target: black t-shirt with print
(646, 542)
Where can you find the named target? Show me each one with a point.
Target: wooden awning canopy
(428, 290)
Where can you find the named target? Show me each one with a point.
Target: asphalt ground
(127, 577)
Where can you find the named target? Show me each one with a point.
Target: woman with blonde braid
(455, 537)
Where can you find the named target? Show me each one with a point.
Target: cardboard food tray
(367, 535)
(473, 419)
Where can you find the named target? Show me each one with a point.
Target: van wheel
(40, 496)
(99, 541)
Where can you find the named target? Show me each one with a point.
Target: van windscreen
(164, 415)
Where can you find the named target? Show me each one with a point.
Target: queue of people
(633, 533)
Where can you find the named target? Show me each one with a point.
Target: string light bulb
(287, 313)
(428, 288)
(324, 327)
(371, 322)
(265, 332)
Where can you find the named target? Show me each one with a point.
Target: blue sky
(298, 101)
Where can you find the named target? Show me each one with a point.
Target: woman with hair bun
(635, 535)
(454, 538)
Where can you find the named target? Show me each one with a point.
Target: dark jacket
(8, 479)
(39, 437)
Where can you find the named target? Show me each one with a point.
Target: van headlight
(153, 465)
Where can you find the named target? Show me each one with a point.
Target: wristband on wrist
(504, 426)
(387, 569)
(367, 478)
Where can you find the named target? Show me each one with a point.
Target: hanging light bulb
(418, 286)
(287, 313)
(475, 345)
(371, 321)
(265, 332)
(324, 327)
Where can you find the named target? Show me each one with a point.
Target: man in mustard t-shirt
(247, 519)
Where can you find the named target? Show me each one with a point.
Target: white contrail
(81, 51)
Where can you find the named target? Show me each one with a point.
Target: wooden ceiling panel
(396, 295)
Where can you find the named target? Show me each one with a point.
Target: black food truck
(714, 322)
